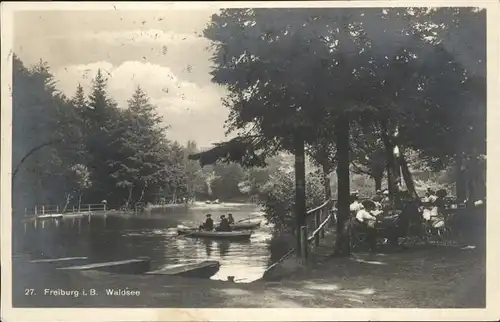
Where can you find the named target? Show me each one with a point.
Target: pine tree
(79, 100)
(98, 99)
(101, 118)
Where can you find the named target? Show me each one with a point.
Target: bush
(277, 197)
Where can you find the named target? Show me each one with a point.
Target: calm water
(153, 234)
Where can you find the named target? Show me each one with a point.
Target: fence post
(318, 222)
(57, 208)
(25, 212)
(325, 215)
(73, 210)
(36, 210)
(89, 208)
(43, 210)
(303, 241)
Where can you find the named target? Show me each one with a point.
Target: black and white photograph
(255, 155)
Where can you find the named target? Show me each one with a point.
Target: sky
(163, 52)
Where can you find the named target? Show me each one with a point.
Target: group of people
(433, 206)
(366, 212)
(223, 225)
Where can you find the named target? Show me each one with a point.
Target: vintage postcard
(264, 161)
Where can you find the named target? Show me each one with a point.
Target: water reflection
(223, 247)
(113, 237)
(208, 246)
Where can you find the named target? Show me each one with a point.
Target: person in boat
(208, 224)
(223, 224)
(230, 219)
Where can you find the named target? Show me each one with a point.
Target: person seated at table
(378, 196)
(365, 217)
(223, 224)
(371, 207)
(430, 209)
(230, 219)
(208, 224)
(366, 223)
(440, 201)
(355, 205)
(386, 203)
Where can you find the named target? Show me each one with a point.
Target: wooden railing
(316, 220)
(56, 209)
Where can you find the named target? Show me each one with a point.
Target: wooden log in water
(129, 266)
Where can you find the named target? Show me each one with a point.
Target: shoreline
(432, 277)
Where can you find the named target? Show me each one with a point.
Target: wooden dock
(129, 266)
(57, 260)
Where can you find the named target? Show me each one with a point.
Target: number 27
(29, 291)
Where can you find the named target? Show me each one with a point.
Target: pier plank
(129, 266)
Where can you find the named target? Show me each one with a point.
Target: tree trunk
(471, 173)
(378, 182)
(142, 194)
(461, 183)
(408, 178)
(390, 162)
(342, 245)
(80, 201)
(68, 198)
(300, 180)
(326, 181)
(127, 204)
(397, 166)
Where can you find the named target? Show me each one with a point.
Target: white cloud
(193, 111)
(159, 82)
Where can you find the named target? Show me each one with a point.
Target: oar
(185, 235)
(248, 218)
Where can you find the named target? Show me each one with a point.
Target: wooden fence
(40, 210)
(316, 221)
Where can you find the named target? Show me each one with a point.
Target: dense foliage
(86, 149)
(356, 85)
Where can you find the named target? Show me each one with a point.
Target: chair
(358, 236)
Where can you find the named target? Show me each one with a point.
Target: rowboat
(234, 235)
(245, 225)
(205, 269)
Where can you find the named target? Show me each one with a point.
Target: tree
(291, 74)
(79, 101)
(192, 169)
(368, 156)
(147, 161)
(41, 136)
(80, 177)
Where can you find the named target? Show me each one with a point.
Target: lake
(152, 234)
